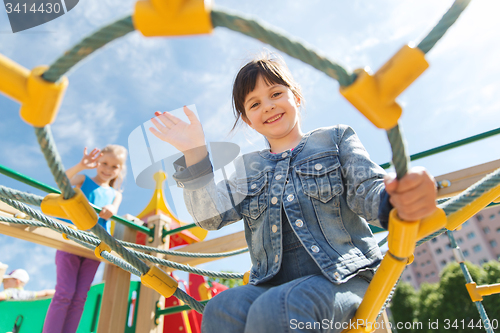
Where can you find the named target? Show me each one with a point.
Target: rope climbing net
(372, 94)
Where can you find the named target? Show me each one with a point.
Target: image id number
(42, 8)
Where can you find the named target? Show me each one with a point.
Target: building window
(424, 251)
(492, 216)
(486, 230)
(434, 240)
(433, 273)
(438, 250)
(471, 235)
(426, 276)
(408, 278)
(466, 223)
(418, 254)
(460, 240)
(428, 262)
(448, 246)
(477, 248)
(483, 261)
(443, 263)
(419, 275)
(493, 243)
(479, 217)
(466, 253)
(422, 264)
(498, 229)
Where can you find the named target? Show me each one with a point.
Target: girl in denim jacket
(305, 203)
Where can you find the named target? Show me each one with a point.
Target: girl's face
(272, 110)
(109, 167)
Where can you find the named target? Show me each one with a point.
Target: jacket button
(299, 223)
(274, 200)
(276, 258)
(180, 184)
(315, 249)
(278, 177)
(336, 275)
(253, 186)
(318, 167)
(284, 155)
(275, 228)
(290, 197)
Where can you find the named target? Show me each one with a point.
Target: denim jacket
(327, 186)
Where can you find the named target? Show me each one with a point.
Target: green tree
(448, 301)
(230, 283)
(404, 305)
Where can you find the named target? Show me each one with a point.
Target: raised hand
(414, 195)
(183, 136)
(108, 211)
(89, 161)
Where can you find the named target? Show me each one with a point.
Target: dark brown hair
(273, 70)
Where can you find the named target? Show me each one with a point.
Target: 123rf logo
(26, 14)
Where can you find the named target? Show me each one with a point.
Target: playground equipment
(40, 92)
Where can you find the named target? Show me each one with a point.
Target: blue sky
(119, 87)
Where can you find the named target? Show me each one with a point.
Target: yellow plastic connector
(476, 293)
(77, 209)
(40, 99)
(246, 278)
(160, 281)
(65, 236)
(375, 95)
(101, 248)
(172, 17)
(432, 223)
(402, 235)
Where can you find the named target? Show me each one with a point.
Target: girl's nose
(269, 105)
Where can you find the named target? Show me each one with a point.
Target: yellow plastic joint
(410, 259)
(160, 281)
(43, 98)
(65, 236)
(77, 209)
(375, 95)
(173, 17)
(246, 278)
(432, 223)
(402, 235)
(474, 294)
(14, 77)
(101, 248)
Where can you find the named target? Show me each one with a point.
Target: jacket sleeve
(363, 179)
(212, 206)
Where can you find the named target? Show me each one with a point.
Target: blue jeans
(298, 299)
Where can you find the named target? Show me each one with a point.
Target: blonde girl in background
(74, 273)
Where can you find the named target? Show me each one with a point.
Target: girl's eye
(254, 105)
(276, 94)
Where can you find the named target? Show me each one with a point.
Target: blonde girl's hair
(121, 153)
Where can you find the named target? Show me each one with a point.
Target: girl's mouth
(274, 119)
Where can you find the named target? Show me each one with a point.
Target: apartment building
(479, 240)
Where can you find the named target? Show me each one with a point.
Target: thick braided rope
(28, 198)
(468, 279)
(34, 199)
(46, 142)
(92, 242)
(87, 46)
(118, 248)
(193, 304)
(49, 221)
(289, 45)
(400, 158)
(179, 293)
(186, 268)
(183, 254)
(443, 25)
(470, 194)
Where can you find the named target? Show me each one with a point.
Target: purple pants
(74, 277)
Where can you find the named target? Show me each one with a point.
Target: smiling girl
(74, 273)
(305, 203)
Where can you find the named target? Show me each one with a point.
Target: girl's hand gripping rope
(414, 195)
